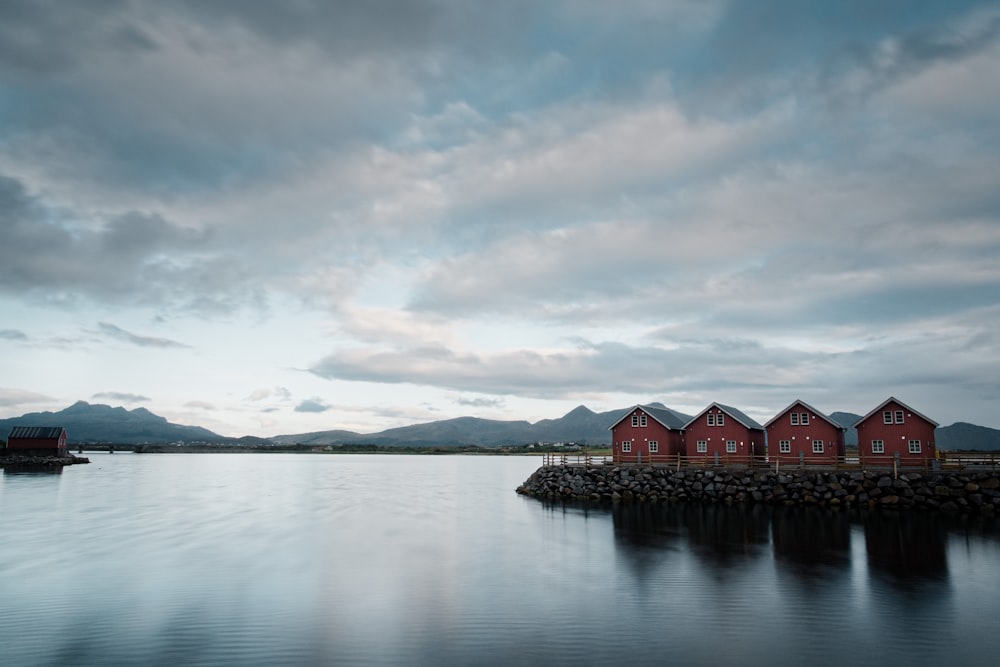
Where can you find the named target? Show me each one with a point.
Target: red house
(894, 430)
(647, 434)
(802, 434)
(723, 434)
(37, 441)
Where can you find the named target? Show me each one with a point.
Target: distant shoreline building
(37, 441)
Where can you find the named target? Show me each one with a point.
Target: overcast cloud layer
(272, 217)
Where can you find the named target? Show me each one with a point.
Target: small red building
(37, 441)
(894, 430)
(802, 434)
(723, 434)
(647, 434)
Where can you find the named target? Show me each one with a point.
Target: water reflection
(907, 547)
(727, 535)
(33, 470)
(811, 537)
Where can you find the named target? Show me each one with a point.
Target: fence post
(895, 465)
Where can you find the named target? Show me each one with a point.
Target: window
(795, 418)
(899, 416)
(718, 419)
(711, 419)
(817, 446)
(887, 417)
(804, 418)
(635, 420)
(702, 446)
(914, 446)
(642, 420)
(626, 446)
(654, 446)
(730, 446)
(878, 447)
(785, 447)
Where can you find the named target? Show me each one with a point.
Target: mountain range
(93, 423)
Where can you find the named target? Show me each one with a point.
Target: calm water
(420, 560)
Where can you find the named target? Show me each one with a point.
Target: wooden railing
(943, 461)
(566, 459)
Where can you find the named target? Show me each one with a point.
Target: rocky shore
(21, 462)
(950, 491)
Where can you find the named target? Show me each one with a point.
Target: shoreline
(24, 462)
(947, 491)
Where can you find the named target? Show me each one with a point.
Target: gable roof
(893, 399)
(36, 432)
(665, 416)
(810, 409)
(738, 415)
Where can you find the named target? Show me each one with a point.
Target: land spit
(949, 491)
(22, 462)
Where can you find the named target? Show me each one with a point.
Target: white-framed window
(785, 447)
(711, 419)
(654, 446)
(635, 420)
(730, 446)
(817, 446)
(626, 446)
(914, 446)
(878, 447)
(887, 417)
(804, 418)
(702, 446)
(899, 416)
(642, 420)
(718, 419)
(795, 418)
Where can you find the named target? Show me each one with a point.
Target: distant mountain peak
(580, 411)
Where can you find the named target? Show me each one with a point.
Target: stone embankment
(21, 462)
(958, 491)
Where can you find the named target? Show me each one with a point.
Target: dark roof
(893, 399)
(36, 432)
(738, 415)
(807, 407)
(666, 416)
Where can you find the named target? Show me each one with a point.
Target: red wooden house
(802, 434)
(647, 434)
(723, 434)
(37, 441)
(895, 430)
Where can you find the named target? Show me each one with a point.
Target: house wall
(669, 442)
(749, 442)
(800, 438)
(38, 446)
(896, 437)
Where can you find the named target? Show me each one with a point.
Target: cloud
(121, 396)
(142, 341)
(279, 393)
(481, 402)
(200, 405)
(10, 397)
(312, 405)
(12, 334)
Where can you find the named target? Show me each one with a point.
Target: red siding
(39, 446)
(800, 437)
(896, 437)
(749, 442)
(670, 442)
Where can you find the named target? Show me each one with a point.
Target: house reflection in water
(907, 546)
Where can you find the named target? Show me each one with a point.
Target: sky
(281, 217)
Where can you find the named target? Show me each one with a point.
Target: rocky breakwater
(23, 462)
(958, 491)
